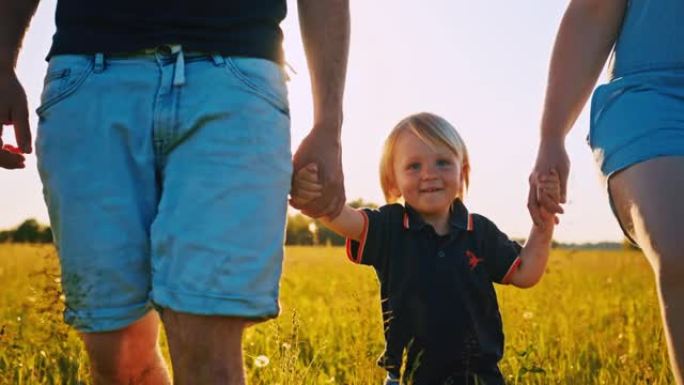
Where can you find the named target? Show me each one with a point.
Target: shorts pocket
(65, 74)
(261, 77)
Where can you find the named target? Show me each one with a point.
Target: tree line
(30, 231)
(301, 230)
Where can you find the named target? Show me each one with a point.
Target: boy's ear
(395, 191)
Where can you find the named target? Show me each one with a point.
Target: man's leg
(205, 349)
(97, 163)
(128, 356)
(648, 200)
(217, 239)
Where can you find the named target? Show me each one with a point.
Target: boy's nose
(429, 172)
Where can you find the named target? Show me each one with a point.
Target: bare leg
(128, 356)
(205, 349)
(649, 198)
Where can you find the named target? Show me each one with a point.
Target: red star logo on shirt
(473, 260)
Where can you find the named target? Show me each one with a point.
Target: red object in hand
(12, 149)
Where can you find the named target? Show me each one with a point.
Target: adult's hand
(322, 147)
(551, 156)
(11, 157)
(13, 111)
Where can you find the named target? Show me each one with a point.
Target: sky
(481, 65)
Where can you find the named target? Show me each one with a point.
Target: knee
(124, 356)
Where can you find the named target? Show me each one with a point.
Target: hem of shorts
(646, 68)
(107, 320)
(254, 308)
(609, 169)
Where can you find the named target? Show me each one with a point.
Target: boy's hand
(549, 188)
(305, 186)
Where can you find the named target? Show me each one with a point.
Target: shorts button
(441, 254)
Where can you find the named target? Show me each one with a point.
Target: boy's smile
(427, 176)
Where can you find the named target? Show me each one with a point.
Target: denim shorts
(636, 118)
(166, 176)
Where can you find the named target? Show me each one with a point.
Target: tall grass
(592, 320)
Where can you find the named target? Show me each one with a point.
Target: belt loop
(218, 59)
(179, 70)
(99, 63)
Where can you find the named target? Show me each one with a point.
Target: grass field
(593, 320)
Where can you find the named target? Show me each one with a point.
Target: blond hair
(434, 131)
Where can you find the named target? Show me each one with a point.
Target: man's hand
(13, 111)
(551, 156)
(322, 147)
(11, 157)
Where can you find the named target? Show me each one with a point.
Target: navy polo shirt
(248, 28)
(438, 298)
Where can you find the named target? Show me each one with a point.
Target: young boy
(436, 262)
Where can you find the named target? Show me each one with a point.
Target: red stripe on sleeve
(362, 241)
(514, 266)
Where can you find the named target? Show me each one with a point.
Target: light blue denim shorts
(166, 176)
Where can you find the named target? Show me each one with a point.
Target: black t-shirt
(438, 300)
(230, 27)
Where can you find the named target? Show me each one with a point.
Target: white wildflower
(261, 361)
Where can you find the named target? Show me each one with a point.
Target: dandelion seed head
(261, 361)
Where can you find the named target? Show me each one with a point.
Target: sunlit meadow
(593, 320)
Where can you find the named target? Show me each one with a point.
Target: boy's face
(428, 177)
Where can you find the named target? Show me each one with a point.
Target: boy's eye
(413, 166)
(443, 162)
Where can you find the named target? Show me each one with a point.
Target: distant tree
(30, 231)
(6, 236)
(329, 237)
(359, 203)
(27, 232)
(298, 230)
(45, 235)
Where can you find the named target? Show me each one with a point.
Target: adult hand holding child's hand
(13, 111)
(322, 148)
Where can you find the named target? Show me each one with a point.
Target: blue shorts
(166, 177)
(636, 118)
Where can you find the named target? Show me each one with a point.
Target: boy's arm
(585, 38)
(534, 255)
(349, 224)
(14, 19)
